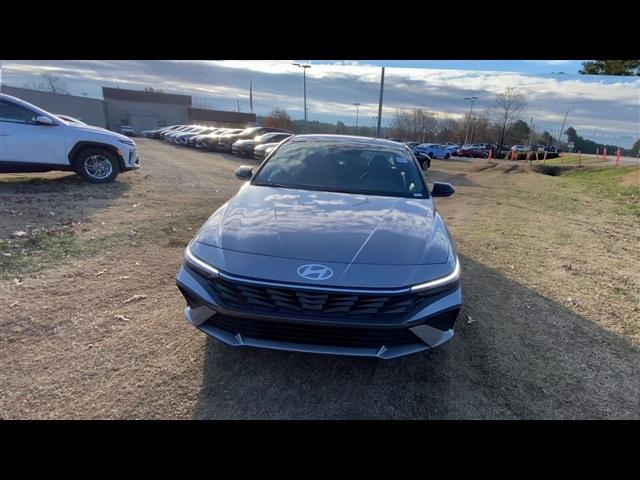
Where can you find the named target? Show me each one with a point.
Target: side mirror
(244, 172)
(42, 120)
(442, 189)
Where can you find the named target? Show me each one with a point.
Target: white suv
(34, 140)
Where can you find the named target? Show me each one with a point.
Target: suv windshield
(343, 167)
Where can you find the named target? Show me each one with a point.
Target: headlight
(195, 262)
(438, 282)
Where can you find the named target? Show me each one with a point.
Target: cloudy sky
(602, 108)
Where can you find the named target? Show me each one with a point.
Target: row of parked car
(253, 142)
(474, 150)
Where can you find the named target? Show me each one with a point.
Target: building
(89, 110)
(149, 109)
(139, 109)
(144, 110)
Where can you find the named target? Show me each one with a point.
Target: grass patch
(45, 248)
(608, 183)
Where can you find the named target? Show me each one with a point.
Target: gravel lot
(73, 347)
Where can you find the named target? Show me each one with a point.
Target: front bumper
(428, 325)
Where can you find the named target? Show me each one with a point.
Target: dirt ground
(550, 326)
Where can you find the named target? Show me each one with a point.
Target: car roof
(348, 139)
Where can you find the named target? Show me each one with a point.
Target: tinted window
(10, 112)
(352, 168)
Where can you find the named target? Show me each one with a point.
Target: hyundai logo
(314, 271)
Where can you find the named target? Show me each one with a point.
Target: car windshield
(343, 167)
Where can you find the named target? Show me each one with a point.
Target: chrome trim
(298, 286)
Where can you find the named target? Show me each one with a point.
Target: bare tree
(278, 118)
(508, 106)
(414, 125)
(48, 83)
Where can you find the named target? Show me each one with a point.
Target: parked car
(128, 130)
(245, 147)
(268, 270)
(472, 152)
(263, 150)
(434, 150)
(194, 140)
(210, 142)
(552, 149)
(226, 141)
(423, 159)
(183, 138)
(168, 130)
(34, 140)
(172, 136)
(520, 148)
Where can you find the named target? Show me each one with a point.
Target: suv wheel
(447, 156)
(97, 165)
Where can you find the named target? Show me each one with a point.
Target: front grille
(315, 334)
(314, 303)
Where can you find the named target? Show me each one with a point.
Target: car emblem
(314, 271)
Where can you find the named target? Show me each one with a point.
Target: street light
(357, 107)
(304, 67)
(466, 133)
(375, 121)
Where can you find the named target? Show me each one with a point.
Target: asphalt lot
(73, 347)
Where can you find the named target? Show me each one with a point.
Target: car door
(24, 141)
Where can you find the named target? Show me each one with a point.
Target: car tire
(96, 165)
(447, 156)
(426, 162)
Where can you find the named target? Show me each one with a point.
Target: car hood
(264, 146)
(91, 128)
(329, 227)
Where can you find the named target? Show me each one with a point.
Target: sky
(605, 109)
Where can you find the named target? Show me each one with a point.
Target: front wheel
(447, 156)
(96, 165)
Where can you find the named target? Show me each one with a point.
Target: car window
(342, 167)
(10, 112)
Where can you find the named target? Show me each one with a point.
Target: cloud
(612, 104)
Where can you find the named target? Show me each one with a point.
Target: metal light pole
(375, 119)
(562, 127)
(304, 67)
(357, 107)
(466, 133)
(380, 103)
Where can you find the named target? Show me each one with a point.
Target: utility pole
(530, 131)
(304, 79)
(473, 129)
(357, 107)
(380, 103)
(251, 95)
(238, 100)
(562, 127)
(466, 133)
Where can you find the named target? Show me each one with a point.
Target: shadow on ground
(523, 356)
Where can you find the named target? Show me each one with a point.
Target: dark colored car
(196, 140)
(226, 141)
(423, 158)
(472, 153)
(210, 142)
(246, 147)
(333, 245)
